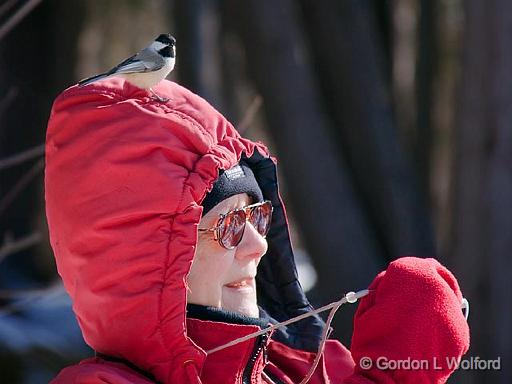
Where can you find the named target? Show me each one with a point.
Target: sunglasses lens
(261, 217)
(231, 229)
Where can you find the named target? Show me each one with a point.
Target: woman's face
(225, 278)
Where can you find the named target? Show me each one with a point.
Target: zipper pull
(265, 352)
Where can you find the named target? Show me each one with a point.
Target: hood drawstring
(350, 297)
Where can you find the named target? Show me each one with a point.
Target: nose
(253, 245)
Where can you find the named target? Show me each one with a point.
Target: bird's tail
(92, 79)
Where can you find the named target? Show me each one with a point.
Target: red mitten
(412, 314)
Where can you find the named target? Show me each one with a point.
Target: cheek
(210, 265)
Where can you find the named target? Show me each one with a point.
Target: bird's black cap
(166, 38)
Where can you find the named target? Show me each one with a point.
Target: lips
(246, 282)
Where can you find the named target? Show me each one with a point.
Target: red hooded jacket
(125, 177)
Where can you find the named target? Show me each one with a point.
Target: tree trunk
(500, 184)
(344, 42)
(483, 184)
(187, 18)
(426, 66)
(336, 231)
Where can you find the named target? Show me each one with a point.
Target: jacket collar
(242, 363)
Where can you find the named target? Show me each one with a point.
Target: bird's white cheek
(171, 63)
(156, 45)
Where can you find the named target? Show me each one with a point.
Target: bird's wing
(144, 61)
(122, 63)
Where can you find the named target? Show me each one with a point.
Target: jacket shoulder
(98, 371)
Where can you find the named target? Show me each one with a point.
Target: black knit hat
(239, 179)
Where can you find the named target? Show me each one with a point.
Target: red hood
(124, 230)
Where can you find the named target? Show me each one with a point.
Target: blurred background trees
(391, 120)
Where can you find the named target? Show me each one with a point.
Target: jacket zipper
(259, 346)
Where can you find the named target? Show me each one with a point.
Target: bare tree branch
(8, 99)
(17, 17)
(250, 114)
(21, 157)
(31, 293)
(11, 195)
(6, 6)
(12, 246)
(53, 291)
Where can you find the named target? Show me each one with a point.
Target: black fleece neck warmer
(239, 179)
(202, 312)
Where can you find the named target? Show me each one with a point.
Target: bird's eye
(166, 51)
(166, 39)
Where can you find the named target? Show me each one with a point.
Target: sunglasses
(230, 226)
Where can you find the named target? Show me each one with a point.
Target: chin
(249, 312)
(246, 306)
(246, 310)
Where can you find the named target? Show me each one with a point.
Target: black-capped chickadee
(146, 68)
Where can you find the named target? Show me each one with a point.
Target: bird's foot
(158, 97)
